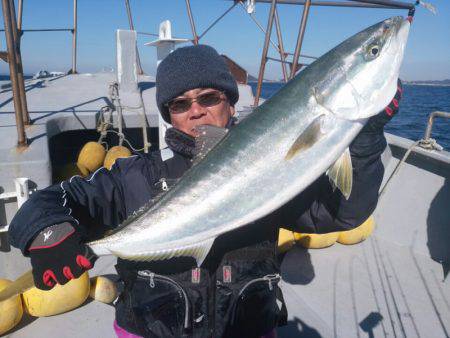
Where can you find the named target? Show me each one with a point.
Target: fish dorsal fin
(307, 138)
(341, 174)
(208, 137)
(199, 251)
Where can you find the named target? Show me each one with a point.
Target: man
(234, 293)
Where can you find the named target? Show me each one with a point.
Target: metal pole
(21, 138)
(301, 34)
(431, 120)
(44, 30)
(259, 25)
(19, 19)
(217, 20)
(358, 3)
(264, 55)
(74, 39)
(391, 3)
(16, 37)
(191, 20)
(280, 46)
(130, 20)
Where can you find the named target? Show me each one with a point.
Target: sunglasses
(207, 99)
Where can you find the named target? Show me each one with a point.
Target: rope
(121, 135)
(103, 126)
(428, 144)
(398, 167)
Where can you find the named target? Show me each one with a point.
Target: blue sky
(427, 55)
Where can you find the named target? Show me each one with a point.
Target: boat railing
(427, 142)
(21, 194)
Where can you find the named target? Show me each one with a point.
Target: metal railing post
(21, 138)
(301, 34)
(191, 20)
(19, 17)
(431, 120)
(264, 54)
(280, 46)
(20, 80)
(74, 39)
(130, 20)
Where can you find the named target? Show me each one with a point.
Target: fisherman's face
(210, 107)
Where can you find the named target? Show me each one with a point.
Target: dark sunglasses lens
(180, 106)
(209, 99)
(205, 100)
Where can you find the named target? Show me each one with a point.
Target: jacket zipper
(163, 182)
(152, 276)
(270, 279)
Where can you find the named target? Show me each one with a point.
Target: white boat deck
(375, 288)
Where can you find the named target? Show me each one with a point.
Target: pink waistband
(122, 333)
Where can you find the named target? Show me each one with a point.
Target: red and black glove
(58, 255)
(377, 122)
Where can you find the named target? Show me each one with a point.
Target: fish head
(360, 76)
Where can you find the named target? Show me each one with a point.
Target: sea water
(417, 103)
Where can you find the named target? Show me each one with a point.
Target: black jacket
(104, 199)
(247, 255)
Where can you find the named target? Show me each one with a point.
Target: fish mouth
(393, 30)
(394, 24)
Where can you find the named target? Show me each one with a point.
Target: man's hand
(58, 255)
(376, 123)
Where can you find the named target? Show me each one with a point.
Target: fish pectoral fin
(208, 137)
(307, 138)
(199, 251)
(341, 174)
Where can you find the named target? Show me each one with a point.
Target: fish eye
(373, 51)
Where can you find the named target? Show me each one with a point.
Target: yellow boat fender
(113, 154)
(91, 158)
(357, 234)
(60, 299)
(316, 241)
(103, 289)
(286, 240)
(11, 310)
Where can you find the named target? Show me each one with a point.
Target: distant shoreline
(443, 83)
(436, 83)
(427, 84)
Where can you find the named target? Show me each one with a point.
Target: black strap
(282, 319)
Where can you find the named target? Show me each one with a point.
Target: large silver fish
(275, 153)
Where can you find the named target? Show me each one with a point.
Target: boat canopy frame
(13, 31)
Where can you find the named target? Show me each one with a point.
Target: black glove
(377, 122)
(58, 255)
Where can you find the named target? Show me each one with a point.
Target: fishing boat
(393, 284)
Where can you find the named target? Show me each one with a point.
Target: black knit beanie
(189, 68)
